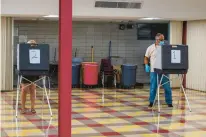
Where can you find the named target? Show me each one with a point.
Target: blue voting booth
(171, 59)
(33, 60)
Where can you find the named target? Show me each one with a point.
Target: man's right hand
(147, 68)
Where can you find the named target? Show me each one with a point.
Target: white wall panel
(196, 40)
(176, 28)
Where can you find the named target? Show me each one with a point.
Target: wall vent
(125, 5)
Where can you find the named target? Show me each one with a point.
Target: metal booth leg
(156, 94)
(49, 86)
(179, 94)
(185, 94)
(45, 90)
(19, 79)
(158, 91)
(17, 127)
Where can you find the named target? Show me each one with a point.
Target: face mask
(161, 43)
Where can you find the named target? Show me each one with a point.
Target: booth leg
(17, 127)
(45, 90)
(158, 94)
(185, 96)
(17, 93)
(158, 123)
(43, 98)
(158, 91)
(47, 130)
(179, 94)
(49, 86)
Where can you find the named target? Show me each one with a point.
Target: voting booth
(33, 60)
(171, 59)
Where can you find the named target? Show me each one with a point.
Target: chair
(107, 70)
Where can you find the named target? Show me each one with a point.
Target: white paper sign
(175, 56)
(34, 56)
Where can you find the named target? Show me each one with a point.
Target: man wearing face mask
(151, 55)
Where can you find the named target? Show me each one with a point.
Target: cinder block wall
(85, 35)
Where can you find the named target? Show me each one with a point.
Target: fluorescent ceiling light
(150, 18)
(51, 16)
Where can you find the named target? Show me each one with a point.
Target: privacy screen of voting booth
(171, 59)
(33, 60)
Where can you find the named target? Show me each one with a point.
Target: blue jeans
(153, 88)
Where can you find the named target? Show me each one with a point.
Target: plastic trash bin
(77, 60)
(90, 73)
(128, 78)
(75, 74)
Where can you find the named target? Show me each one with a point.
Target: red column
(65, 67)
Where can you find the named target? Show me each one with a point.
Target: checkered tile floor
(109, 112)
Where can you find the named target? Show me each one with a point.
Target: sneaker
(150, 105)
(170, 105)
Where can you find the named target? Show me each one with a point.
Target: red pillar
(65, 67)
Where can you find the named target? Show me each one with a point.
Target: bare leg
(32, 97)
(24, 91)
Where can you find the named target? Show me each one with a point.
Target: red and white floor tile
(108, 112)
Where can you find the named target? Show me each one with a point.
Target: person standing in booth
(31, 89)
(150, 55)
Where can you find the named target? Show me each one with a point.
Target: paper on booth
(34, 56)
(175, 56)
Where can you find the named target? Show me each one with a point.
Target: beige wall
(84, 9)
(176, 28)
(6, 49)
(196, 40)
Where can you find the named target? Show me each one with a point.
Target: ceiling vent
(125, 5)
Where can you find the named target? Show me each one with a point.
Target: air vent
(125, 5)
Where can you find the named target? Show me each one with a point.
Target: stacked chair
(106, 70)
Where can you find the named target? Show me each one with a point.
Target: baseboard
(6, 90)
(175, 87)
(195, 90)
